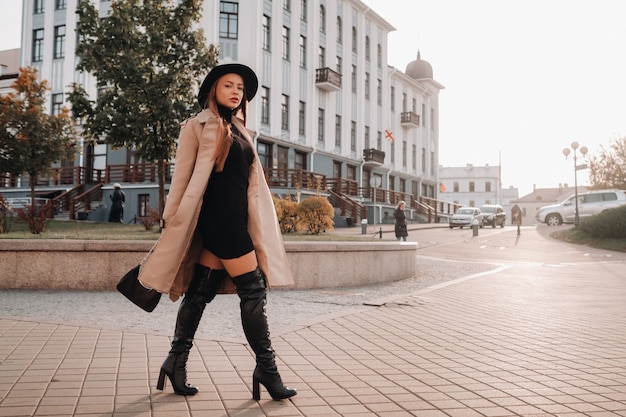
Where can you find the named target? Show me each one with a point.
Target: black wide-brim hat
(250, 81)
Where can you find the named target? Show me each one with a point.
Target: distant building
(329, 110)
(9, 69)
(470, 185)
(539, 197)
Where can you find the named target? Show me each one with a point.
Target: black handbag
(144, 297)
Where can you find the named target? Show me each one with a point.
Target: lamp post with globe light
(583, 151)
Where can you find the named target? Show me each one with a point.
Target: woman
(400, 227)
(219, 228)
(116, 215)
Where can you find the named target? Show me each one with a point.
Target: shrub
(5, 215)
(610, 224)
(150, 220)
(287, 213)
(315, 215)
(36, 216)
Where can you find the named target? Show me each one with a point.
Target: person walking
(400, 226)
(118, 198)
(220, 233)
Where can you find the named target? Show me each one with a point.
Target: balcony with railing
(327, 79)
(373, 157)
(409, 119)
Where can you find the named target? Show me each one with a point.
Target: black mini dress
(223, 221)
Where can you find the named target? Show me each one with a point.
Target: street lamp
(583, 151)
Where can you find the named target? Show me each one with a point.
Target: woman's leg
(251, 288)
(207, 280)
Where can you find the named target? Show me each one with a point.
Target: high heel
(202, 289)
(272, 383)
(174, 367)
(251, 289)
(161, 381)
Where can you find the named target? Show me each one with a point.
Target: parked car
(465, 216)
(494, 215)
(590, 203)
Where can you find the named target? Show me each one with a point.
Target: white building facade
(471, 185)
(327, 102)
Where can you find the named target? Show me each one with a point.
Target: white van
(590, 203)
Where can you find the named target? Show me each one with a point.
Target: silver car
(465, 216)
(590, 203)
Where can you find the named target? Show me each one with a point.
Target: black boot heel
(272, 383)
(161, 381)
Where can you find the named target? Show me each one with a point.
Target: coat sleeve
(183, 168)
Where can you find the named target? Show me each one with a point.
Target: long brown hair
(224, 134)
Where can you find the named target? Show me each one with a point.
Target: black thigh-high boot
(202, 289)
(251, 291)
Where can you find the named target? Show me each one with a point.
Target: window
(367, 48)
(287, 5)
(379, 91)
(471, 186)
(267, 33)
(379, 140)
(143, 205)
(432, 163)
(414, 108)
(337, 130)
(392, 98)
(285, 43)
(320, 125)
(59, 42)
(455, 186)
(488, 186)
(322, 19)
(284, 113)
(321, 56)
(302, 52)
(353, 135)
(339, 65)
(38, 7)
(57, 103)
(339, 31)
(353, 75)
(432, 119)
(403, 102)
(265, 105)
(424, 160)
(229, 19)
(303, 10)
(60, 4)
(392, 152)
(264, 150)
(37, 45)
(404, 148)
(354, 45)
(366, 139)
(413, 156)
(302, 118)
(351, 172)
(379, 56)
(299, 160)
(367, 85)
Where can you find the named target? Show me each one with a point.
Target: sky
(523, 79)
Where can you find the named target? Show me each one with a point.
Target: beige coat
(169, 268)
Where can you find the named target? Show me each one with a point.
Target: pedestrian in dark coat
(116, 215)
(400, 216)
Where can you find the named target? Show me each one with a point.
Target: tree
(608, 169)
(147, 59)
(30, 139)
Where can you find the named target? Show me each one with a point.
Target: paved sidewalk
(524, 339)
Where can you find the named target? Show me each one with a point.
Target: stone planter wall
(98, 265)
